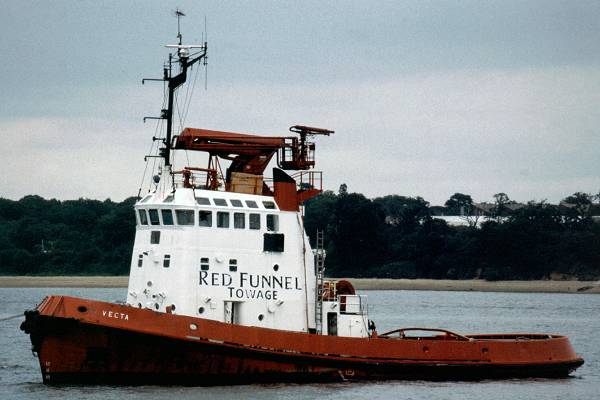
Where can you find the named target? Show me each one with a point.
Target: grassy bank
(361, 284)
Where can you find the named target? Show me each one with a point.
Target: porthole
(139, 305)
(82, 309)
(201, 310)
(276, 267)
(193, 327)
(149, 283)
(260, 317)
(156, 305)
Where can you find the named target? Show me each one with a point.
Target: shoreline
(478, 285)
(474, 285)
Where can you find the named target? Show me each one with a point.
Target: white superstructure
(224, 256)
(229, 246)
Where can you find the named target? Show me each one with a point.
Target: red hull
(80, 341)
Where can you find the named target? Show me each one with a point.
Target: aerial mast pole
(185, 61)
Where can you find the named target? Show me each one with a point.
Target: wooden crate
(246, 183)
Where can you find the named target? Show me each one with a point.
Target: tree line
(75, 237)
(388, 237)
(398, 237)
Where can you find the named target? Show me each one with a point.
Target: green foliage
(459, 204)
(75, 237)
(396, 237)
(388, 237)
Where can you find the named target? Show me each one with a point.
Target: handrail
(401, 332)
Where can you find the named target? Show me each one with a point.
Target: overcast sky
(427, 98)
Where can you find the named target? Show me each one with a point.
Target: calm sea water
(575, 315)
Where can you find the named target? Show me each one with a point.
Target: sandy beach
(361, 284)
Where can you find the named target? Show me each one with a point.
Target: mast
(185, 61)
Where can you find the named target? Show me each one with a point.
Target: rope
(11, 317)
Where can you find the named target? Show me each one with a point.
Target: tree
(500, 209)
(577, 207)
(319, 215)
(357, 244)
(404, 212)
(459, 204)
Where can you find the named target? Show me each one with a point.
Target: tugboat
(225, 287)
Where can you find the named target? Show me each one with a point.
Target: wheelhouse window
(251, 204)
(205, 218)
(167, 261)
(154, 217)
(167, 217)
(269, 205)
(185, 217)
(204, 265)
(222, 219)
(239, 220)
(155, 237)
(273, 242)
(203, 201)
(220, 202)
(272, 222)
(143, 217)
(236, 203)
(254, 221)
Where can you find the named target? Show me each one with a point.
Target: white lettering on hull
(115, 315)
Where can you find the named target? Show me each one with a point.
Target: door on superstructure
(229, 312)
(332, 324)
(232, 311)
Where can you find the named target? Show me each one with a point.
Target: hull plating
(82, 341)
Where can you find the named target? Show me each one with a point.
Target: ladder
(319, 275)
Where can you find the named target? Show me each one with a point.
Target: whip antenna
(178, 13)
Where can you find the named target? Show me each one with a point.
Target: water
(575, 315)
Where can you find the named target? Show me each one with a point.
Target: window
(273, 242)
(167, 216)
(154, 217)
(205, 218)
(239, 220)
(251, 204)
(272, 222)
(185, 217)
(203, 201)
(169, 199)
(140, 260)
(236, 203)
(167, 261)
(232, 265)
(204, 264)
(143, 217)
(220, 202)
(269, 205)
(155, 237)
(254, 221)
(222, 219)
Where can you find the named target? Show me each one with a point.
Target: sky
(426, 98)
